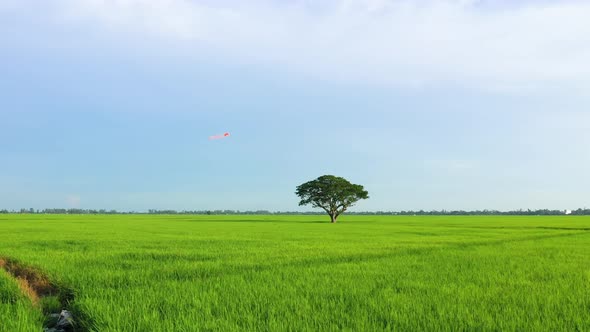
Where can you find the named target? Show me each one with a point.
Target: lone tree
(331, 193)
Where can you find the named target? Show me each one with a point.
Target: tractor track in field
(37, 286)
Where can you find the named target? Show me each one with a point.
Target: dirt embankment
(30, 280)
(37, 287)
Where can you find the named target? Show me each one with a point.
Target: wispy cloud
(487, 44)
(73, 201)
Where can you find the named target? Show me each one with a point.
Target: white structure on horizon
(568, 211)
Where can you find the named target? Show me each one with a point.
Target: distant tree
(331, 193)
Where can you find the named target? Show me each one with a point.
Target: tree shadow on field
(326, 221)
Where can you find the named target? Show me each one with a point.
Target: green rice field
(301, 273)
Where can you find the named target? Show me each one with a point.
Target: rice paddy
(301, 273)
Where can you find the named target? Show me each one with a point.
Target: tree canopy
(331, 193)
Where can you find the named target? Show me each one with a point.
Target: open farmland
(274, 273)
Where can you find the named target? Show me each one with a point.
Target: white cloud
(73, 201)
(530, 46)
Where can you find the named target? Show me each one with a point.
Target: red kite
(219, 136)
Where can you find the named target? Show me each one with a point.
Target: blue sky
(429, 104)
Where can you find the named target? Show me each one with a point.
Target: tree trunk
(334, 217)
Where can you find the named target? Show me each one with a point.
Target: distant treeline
(528, 212)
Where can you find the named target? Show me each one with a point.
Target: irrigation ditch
(52, 299)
